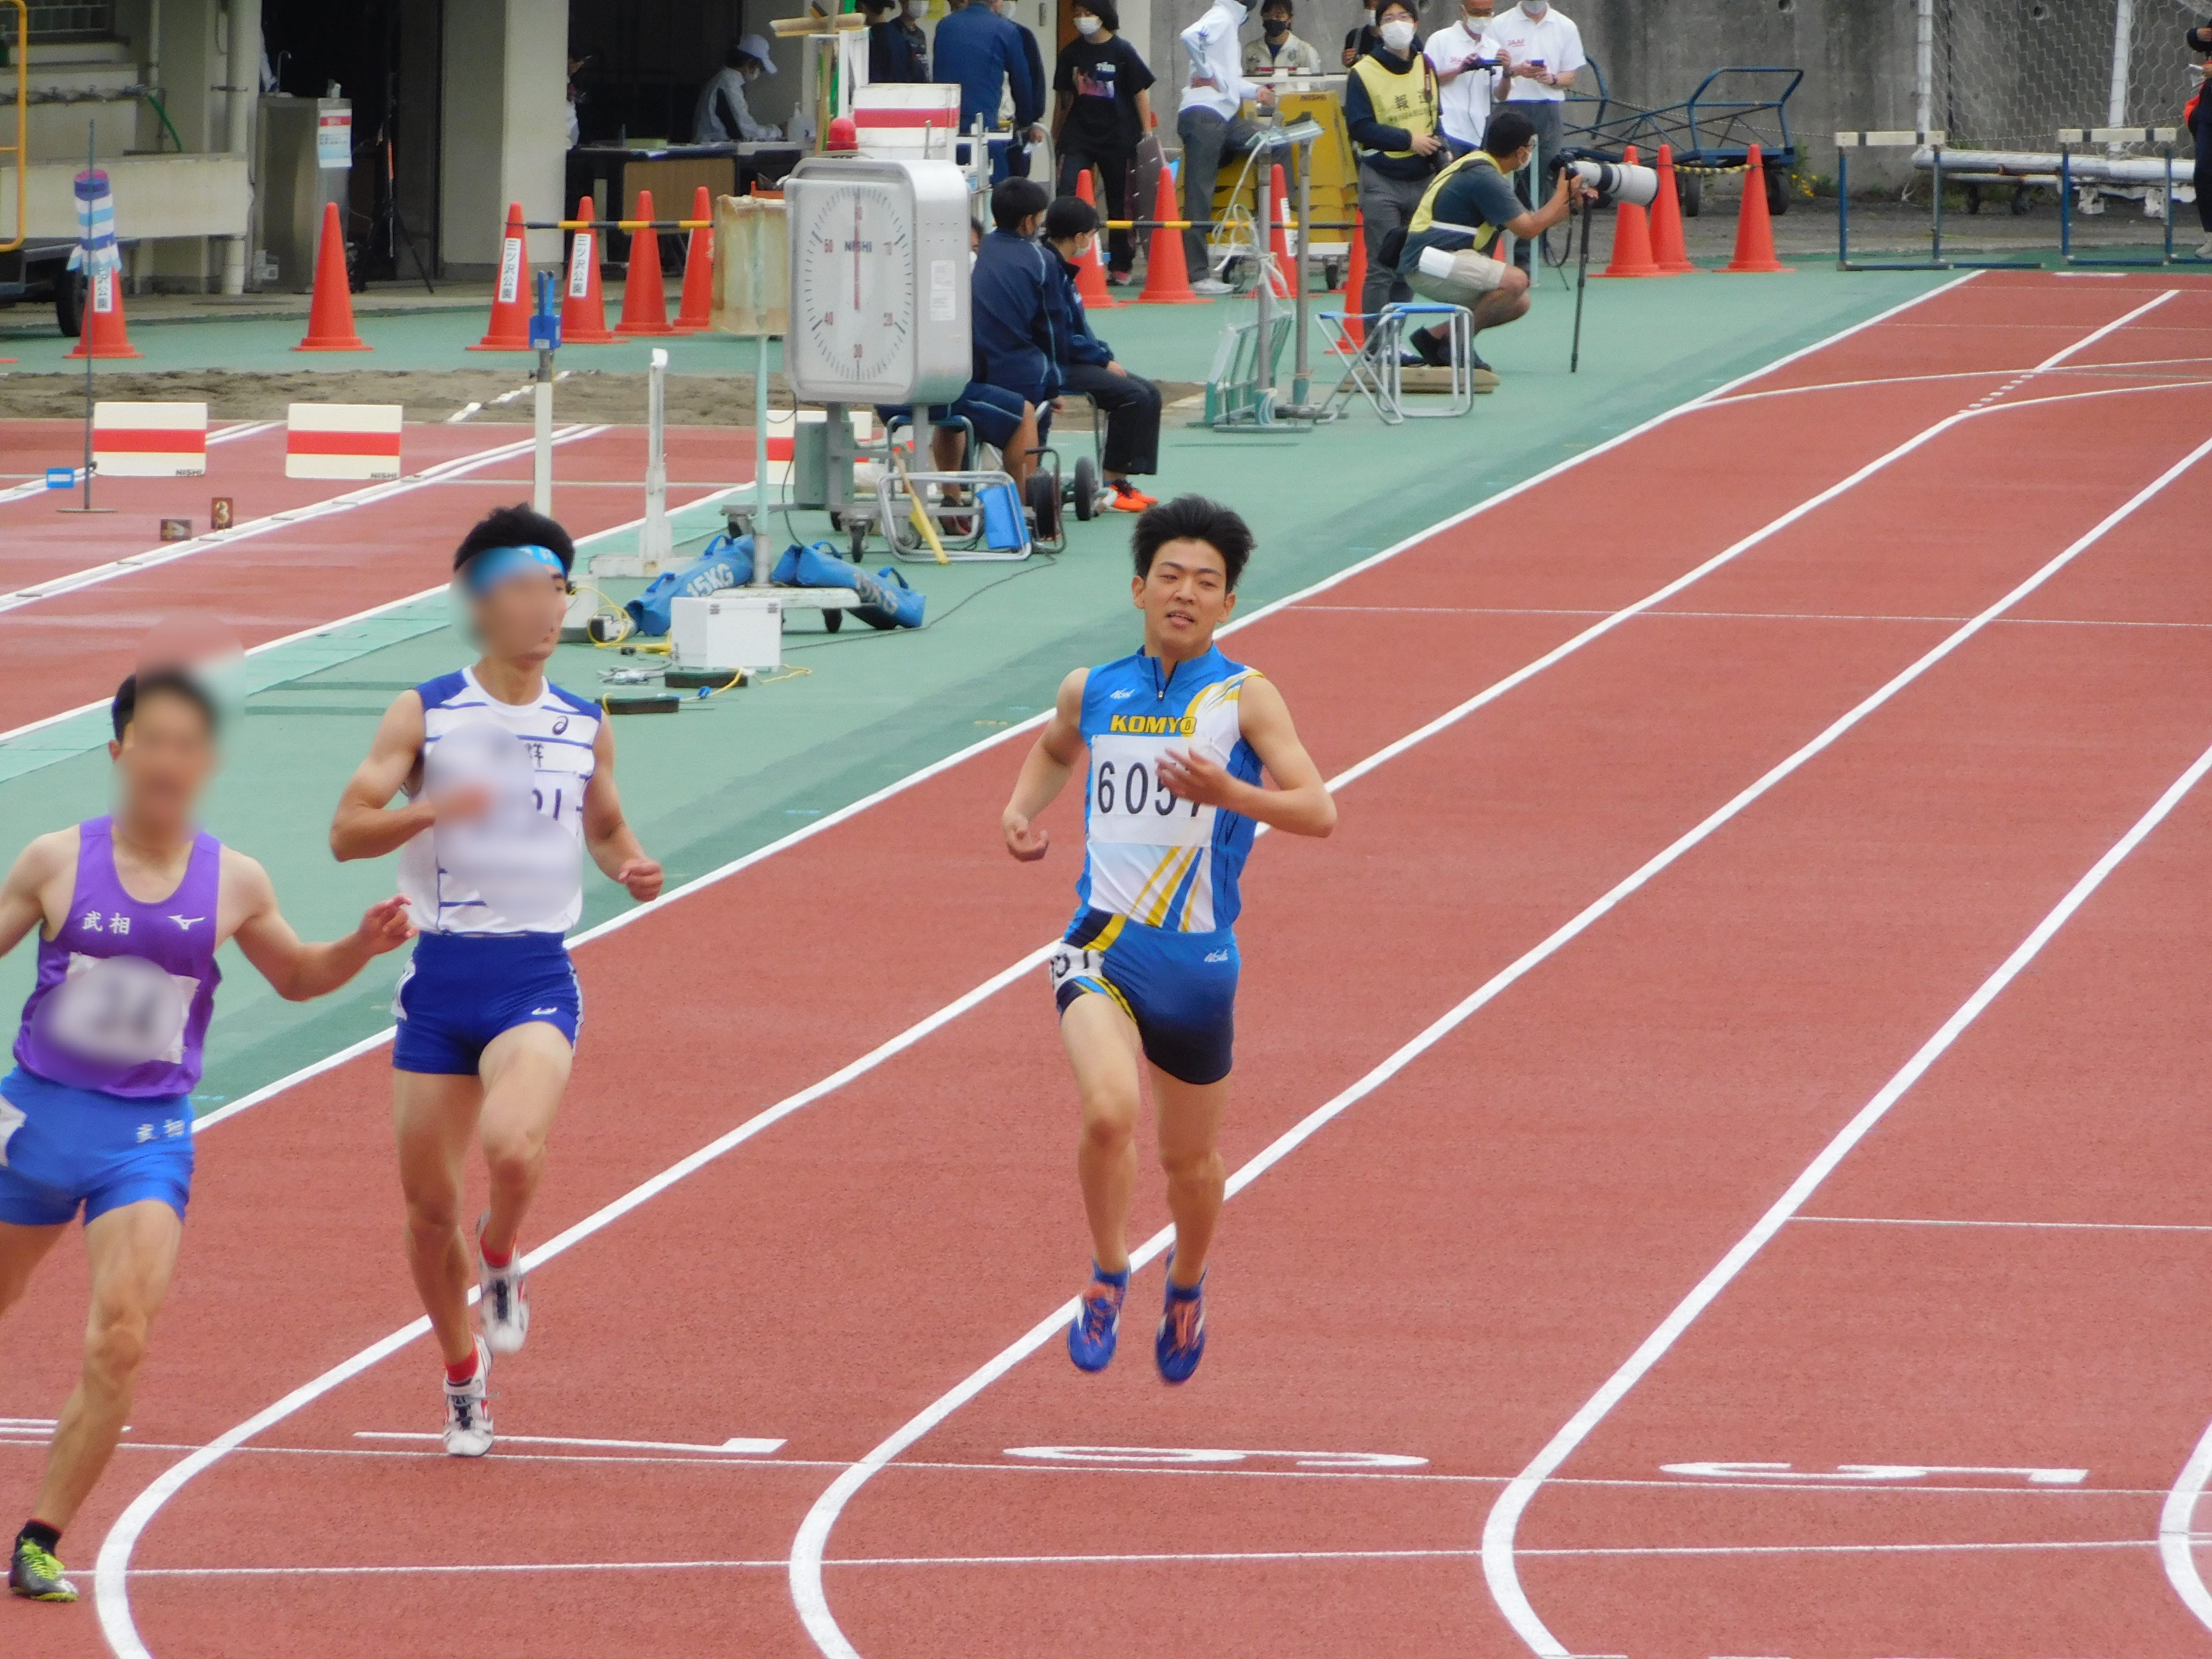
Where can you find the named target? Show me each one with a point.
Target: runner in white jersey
(509, 782)
(1177, 737)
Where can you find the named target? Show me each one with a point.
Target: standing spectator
(722, 117)
(2199, 116)
(985, 55)
(898, 50)
(1546, 50)
(1456, 53)
(1027, 118)
(1210, 122)
(1390, 106)
(1103, 110)
(1130, 403)
(1279, 52)
(1359, 41)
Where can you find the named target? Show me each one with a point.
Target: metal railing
(20, 151)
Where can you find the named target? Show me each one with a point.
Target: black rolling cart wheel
(1086, 490)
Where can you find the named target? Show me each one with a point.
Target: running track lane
(961, 938)
(1434, 1272)
(58, 653)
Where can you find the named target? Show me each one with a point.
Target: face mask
(1087, 27)
(1536, 9)
(917, 9)
(1397, 34)
(1274, 27)
(1370, 16)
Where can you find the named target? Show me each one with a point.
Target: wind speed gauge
(879, 281)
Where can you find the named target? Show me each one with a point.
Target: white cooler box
(726, 631)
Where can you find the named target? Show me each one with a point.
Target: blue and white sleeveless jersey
(1160, 861)
(520, 868)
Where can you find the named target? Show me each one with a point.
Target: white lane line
(1955, 374)
(740, 1445)
(221, 434)
(1745, 616)
(2036, 1226)
(1504, 1518)
(1157, 1558)
(170, 552)
(809, 1548)
(2177, 1534)
(2079, 345)
(111, 1587)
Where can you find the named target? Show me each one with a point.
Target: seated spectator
(1447, 255)
(1279, 52)
(1017, 344)
(898, 50)
(1130, 403)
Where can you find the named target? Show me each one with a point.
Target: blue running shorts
(63, 1149)
(1179, 989)
(463, 990)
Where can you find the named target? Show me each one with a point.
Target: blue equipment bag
(727, 562)
(886, 600)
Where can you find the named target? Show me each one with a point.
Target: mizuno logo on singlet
(1154, 724)
(185, 923)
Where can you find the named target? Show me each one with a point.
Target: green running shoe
(38, 1575)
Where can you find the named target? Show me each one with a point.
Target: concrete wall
(504, 135)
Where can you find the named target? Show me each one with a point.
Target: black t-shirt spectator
(1102, 80)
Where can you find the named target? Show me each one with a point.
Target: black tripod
(392, 230)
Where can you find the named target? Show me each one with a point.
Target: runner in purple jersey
(96, 1117)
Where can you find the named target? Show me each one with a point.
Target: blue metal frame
(1703, 130)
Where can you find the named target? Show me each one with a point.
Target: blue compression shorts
(63, 1149)
(1179, 989)
(463, 990)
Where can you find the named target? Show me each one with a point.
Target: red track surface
(60, 653)
(1450, 1270)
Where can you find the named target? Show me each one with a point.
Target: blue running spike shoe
(1097, 1324)
(1181, 1343)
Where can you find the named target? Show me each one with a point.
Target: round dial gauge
(856, 291)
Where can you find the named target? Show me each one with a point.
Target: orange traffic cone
(1668, 252)
(645, 301)
(104, 334)
(1091, 278)
(330, 314)
(1632, 237)
(583, 306)
(696, 313)
(1754, 231)
(510, 300)
(1167, 279)
(1355, 282)
(1279, 269)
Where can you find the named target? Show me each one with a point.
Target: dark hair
(1509, 130)
(1411, 8)
(1105, 11)
(516, 526)
(1015, 200)
(1268, 6)
(160, 682)
(1193, 518)
(1067, 216)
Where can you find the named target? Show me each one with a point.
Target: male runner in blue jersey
(97, 1113)
(508, 778)
(1177, 736)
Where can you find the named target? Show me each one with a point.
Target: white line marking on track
(751, 1448)
(1864, 1473)
(110, 1583)
(808, 1549)
(2079, 345)
(2039, 1226)
(1499, 1529)
(1749, 615)
(169, 553)
(221, 434)
(2176, 1534)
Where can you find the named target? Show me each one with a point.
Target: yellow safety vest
(1406, 99)
(1426, 215)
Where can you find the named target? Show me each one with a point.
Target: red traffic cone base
(1355, 282)
(1167, 279)
(1090, 275)
(330, 316)
(1632, 237)
(103, 332)
(510, 294)
(1754, 231)
(645, 299)
(583, 303)
(696, 314)
(1669, 251)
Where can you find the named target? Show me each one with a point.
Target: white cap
(755, 47)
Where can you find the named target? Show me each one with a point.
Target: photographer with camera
(1446, 255)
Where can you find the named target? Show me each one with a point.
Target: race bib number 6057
(1129, 802)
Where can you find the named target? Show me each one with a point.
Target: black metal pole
(84, 311)
(1581, 282)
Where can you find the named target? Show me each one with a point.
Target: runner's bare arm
(1299, 804)
(1045, 770)
(30, 882)
(299, 970)
(611, 842)
(365, 824)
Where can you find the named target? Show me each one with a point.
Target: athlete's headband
(497, 564)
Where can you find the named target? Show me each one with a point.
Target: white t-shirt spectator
(1463, 104)
(1553, 39)
(1211, 46)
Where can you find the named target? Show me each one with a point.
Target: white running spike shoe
(468, 1417)
(504, 1306)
